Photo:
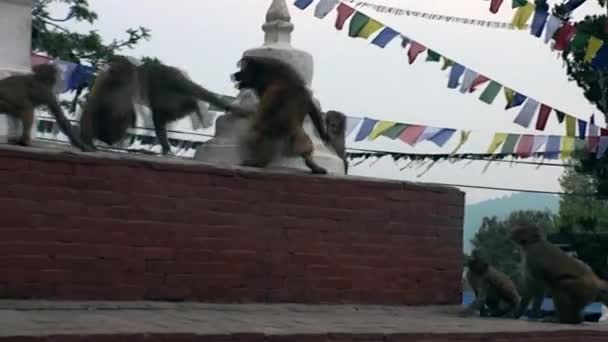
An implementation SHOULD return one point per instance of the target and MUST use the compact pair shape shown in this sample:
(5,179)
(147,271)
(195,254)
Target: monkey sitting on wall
(335,122)
(170,95)
(20,95)
(547,268)
(276,126)
(495,293)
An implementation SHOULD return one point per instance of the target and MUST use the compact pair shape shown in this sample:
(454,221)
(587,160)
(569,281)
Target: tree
(50,35)
(494,243)
(579,213)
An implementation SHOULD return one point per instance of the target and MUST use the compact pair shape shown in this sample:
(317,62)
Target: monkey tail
(317,119)
(65,125)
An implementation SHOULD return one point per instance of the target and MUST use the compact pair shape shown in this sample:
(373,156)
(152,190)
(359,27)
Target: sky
(207,38)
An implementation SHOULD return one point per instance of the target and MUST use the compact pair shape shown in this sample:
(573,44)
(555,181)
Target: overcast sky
(206,38)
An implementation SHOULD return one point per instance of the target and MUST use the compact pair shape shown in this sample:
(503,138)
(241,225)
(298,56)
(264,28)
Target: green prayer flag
(395,131)
(519,3)
(432,56)
(357,23)
(580,145)
(510,143)
(489,94)
(579,42)
(447,63)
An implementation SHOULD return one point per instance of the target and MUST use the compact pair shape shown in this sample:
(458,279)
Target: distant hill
(501,208)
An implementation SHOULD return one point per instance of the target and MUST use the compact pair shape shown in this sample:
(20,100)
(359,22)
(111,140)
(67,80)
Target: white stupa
(223,149)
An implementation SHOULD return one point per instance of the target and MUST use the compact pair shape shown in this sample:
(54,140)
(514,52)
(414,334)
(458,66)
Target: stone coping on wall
(255,322)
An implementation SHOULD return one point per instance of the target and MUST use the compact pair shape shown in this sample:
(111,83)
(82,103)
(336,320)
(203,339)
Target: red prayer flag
(524,149)
(604,132)
(415,49)
(411,134)
(543,117)
(481,79)
(495,6)
(564,36)
(344,12)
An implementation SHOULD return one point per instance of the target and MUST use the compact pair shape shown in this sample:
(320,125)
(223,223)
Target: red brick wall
(83,227)
(554,336)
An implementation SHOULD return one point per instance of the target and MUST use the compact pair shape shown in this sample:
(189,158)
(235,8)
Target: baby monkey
(495,293)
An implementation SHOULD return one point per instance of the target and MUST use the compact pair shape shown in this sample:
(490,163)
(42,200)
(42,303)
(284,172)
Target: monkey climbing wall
(84,227)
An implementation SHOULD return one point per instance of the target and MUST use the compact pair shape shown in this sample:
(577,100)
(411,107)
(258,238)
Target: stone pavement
(40,318)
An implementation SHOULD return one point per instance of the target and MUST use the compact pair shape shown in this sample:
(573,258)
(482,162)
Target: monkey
(276,126)
(20,95)
(572,283)
(492,288)
(336,128)
(168,92)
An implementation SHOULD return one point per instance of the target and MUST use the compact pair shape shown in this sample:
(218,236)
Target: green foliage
(50,35)
(494,243)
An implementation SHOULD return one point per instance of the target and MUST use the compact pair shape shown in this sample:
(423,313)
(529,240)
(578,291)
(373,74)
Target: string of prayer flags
(508,146)
(522,15)
(380,128)
(428,133)
(524,148)
(539,142)
(324,7)
(363,26)
(497,141)
(567,147)
(395,131)
(72,76)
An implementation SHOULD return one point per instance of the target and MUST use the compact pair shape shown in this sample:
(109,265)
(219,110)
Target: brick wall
(83,227)
(557,336)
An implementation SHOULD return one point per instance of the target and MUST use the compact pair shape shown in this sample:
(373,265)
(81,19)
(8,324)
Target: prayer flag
(467,81)
(404,41)
(553,24)
(580,41)
(432,56)
(357,23)
(524,148)
(592,119)
(428,133)
(508,96)
(564,36)
(344,12)
(553,147)
(582,128)
(593,46)
(603,146)
(447,63)
(39,59)
(370,28)
(601,58)
(302,4)
(571,5)
(567,147)
(495,6)
(380,128)
(539,141)
(560,116)
(509,146)
(522,15)
(570,126)
(499,139)
(516,101)
(489,94)
(481,79)
(541,14)
(411,134)
(385,37)
(324,7)
(366,128)
(395,131)
(592,143)
(464,137)
(527,113)
(351,123)
(455,74)
(441,138)
(543,117)
(518,3)
(415,49)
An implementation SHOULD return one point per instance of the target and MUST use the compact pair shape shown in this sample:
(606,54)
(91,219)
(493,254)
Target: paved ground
(34,318)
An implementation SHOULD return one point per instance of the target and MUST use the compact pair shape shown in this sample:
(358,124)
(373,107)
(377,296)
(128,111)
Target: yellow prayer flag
(380,128)
(370,28)
(464,137)
(567,147)
(499,139)
(570,125)
(522,15)
(509,93)
(593,46)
